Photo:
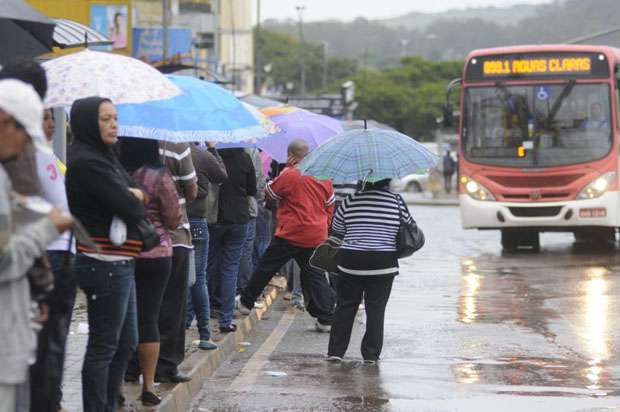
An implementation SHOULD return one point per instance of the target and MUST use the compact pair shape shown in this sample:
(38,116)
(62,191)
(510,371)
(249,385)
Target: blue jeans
(246,266)
(263,235)
(113,332)
(225,247)
(198,297)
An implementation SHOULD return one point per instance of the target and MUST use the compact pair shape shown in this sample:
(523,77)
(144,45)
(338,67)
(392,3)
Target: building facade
(236,42)
(215,36)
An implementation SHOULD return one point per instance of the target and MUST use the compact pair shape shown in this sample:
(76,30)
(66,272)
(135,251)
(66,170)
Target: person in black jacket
(227,237)
(99,189)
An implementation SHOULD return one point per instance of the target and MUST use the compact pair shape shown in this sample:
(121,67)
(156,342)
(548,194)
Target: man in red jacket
(305,208)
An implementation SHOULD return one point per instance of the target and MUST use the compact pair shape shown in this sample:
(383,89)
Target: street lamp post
(165,27)
(403,47)
(257,44)
(325,72)
(302,59)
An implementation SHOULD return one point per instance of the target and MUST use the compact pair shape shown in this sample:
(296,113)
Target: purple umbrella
(314,128)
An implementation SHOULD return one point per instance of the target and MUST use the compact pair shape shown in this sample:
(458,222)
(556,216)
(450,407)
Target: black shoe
(150,399)
(230,328)
(120,401)
(178,378)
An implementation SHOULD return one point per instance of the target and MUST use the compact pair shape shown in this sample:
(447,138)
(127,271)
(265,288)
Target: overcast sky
(373,9)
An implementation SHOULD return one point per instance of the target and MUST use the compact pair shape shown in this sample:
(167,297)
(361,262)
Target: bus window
(555,124)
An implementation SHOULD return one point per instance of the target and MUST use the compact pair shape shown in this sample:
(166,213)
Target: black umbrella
(24,32)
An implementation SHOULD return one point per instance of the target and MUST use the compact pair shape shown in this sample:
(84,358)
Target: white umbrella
(120,78)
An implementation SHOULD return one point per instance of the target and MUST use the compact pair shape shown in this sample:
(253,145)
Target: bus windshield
(533,126)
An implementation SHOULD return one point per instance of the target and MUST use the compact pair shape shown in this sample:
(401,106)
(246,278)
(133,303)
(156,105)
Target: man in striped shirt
(305,209)
(178,159)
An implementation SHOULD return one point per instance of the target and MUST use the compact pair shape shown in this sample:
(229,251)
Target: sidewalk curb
(426,199)
(432,202)
(205,363)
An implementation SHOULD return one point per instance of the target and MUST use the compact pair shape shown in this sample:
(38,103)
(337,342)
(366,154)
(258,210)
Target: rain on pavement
(467,328)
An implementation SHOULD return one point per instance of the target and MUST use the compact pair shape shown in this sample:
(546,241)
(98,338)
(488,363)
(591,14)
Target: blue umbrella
(204,112)
(368,154)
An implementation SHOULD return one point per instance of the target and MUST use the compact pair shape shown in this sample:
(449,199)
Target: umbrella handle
(366,179)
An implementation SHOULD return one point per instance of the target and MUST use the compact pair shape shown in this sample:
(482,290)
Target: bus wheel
(532,241)
(513,239)
(595,235)
(510,240)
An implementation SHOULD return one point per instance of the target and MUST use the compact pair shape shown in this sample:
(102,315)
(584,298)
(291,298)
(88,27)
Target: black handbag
(325,256)
(148,234)
(410,237)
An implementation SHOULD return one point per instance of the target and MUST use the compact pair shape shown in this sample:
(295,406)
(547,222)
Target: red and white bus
(538,142)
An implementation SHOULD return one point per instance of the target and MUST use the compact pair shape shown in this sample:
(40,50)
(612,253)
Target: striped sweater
(369,220)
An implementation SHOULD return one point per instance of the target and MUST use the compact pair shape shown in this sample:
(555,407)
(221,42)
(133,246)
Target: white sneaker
(244,310)
(334,359)
(370,362)
(322,327)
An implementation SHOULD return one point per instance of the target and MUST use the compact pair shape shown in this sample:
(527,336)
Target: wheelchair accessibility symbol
(543,93)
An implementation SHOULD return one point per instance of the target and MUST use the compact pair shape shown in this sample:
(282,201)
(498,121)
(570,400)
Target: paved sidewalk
(197,363)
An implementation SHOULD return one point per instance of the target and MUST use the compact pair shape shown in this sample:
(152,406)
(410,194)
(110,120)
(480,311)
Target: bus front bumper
(602,211)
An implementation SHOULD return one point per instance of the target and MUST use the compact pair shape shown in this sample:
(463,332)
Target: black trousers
(172,315)
(351,289)
(447,182)
(152,276)
(319,297)
(46,373)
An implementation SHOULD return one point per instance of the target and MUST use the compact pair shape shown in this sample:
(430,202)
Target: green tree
(409,97)
(280,53)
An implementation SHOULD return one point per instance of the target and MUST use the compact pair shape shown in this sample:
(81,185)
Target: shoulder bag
(410,237)
(325,256)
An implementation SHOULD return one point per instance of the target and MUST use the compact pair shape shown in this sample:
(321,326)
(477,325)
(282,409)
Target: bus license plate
(593,212)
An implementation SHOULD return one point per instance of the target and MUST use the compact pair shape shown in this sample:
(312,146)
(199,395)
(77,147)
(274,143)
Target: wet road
(467,328)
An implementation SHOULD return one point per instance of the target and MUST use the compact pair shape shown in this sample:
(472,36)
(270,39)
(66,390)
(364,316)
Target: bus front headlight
(475,190)
(597,187)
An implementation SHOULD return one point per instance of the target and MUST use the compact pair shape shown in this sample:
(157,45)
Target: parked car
(414,183)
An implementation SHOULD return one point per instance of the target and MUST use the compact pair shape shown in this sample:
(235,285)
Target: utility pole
(216,33)
(257,44)
(165,28)
(302,57)
(325,69)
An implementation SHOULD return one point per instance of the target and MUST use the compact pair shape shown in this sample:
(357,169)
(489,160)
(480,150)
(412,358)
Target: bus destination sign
(520,66)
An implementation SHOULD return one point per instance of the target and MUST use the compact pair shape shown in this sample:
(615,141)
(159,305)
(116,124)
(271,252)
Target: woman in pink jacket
(141,159)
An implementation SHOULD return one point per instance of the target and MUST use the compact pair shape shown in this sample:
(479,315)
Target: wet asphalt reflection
(467,328)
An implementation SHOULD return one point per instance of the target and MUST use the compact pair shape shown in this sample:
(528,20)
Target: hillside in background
(500,15)
(451,35)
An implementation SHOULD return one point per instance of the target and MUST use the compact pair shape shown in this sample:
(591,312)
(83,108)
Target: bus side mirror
(448,116)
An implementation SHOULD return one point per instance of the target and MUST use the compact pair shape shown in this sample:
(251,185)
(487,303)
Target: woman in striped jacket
(368,222)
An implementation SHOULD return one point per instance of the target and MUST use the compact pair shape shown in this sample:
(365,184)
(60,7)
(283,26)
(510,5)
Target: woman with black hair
(141,159)
(98,189)
(368,222)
